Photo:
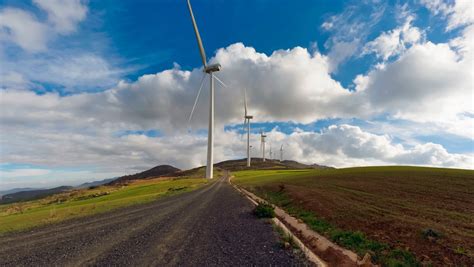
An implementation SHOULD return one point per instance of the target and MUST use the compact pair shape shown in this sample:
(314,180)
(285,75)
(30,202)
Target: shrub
(264,210)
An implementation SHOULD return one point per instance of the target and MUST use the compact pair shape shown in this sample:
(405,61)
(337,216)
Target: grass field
(76,203)
(400,215)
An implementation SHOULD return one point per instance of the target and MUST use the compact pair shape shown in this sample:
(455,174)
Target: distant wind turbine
(281,153)
(271,154)
(208,69)
(262,144)
(247,119)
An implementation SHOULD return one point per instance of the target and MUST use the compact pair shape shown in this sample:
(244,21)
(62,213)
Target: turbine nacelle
(212,68)
(248,117)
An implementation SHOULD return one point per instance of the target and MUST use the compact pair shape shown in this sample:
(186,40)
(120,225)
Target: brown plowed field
(427,211)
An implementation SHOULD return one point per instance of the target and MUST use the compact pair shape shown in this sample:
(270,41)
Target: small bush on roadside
(264,210)
(171,189)
(286,240)
(400,257)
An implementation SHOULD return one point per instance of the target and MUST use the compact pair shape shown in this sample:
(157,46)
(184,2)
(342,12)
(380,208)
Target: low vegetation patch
(264,210)
(286,240)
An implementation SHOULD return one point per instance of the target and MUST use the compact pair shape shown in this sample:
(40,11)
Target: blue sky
(113,81)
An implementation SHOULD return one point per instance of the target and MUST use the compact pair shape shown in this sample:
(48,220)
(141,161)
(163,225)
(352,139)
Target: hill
(158,171)
(95,183)
(33,194)
(259,164)
(14,190)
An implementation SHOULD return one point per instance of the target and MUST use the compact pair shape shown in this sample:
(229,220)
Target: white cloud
(394,42)
(428,83)
(458,13)
(338,145)
(13,80)
(23,29)
(164,100)
(340,52)
(64,14)
(23,173)
(347,145)
(349,31)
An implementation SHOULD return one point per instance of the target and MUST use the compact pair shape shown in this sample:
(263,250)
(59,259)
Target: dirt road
(209,226)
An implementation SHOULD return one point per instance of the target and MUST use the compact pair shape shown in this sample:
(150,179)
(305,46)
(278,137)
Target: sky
(98,89)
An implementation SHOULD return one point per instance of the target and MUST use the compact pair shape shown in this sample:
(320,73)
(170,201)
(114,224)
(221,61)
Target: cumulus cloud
(394,42)
(458,13)
(23,29)
(430,82)
(349,31)
(23,172)
(427,82)
(63,14)
(418,86)
(277,90)
(347,145)
(39,61)
(338,145)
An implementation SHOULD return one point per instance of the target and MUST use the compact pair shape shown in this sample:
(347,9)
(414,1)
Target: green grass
(264,210)
(21,216)
(411,198)
(286,240)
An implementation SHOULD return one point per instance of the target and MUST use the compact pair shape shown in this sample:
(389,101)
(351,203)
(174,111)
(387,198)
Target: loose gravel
(211,226)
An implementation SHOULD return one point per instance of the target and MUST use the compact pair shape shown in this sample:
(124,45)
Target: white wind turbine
(281,153)
(262,144)
(208,69)
(247,119)
(271,154)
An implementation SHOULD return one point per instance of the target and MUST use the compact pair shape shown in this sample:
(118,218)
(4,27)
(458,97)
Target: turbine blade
(244,130)
(245,101)
(197,98)
(219,80)
(198,37)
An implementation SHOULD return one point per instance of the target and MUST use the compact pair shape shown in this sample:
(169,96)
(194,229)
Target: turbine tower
(281,153)
(208,69)
(247,119)
(262,144)
(271,154)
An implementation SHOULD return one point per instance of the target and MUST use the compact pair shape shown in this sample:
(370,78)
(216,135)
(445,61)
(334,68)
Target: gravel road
(211,226)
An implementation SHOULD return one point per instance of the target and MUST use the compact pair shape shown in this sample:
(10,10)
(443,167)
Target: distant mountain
(33,194)
(14,190)
(95,183)
(158,171)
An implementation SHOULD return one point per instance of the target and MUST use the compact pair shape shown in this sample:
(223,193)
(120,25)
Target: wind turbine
(247,119)
(271,154)
(262,144)
(208,69)
(281,153)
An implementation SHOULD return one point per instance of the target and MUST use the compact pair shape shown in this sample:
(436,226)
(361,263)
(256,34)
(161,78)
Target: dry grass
(76,203)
